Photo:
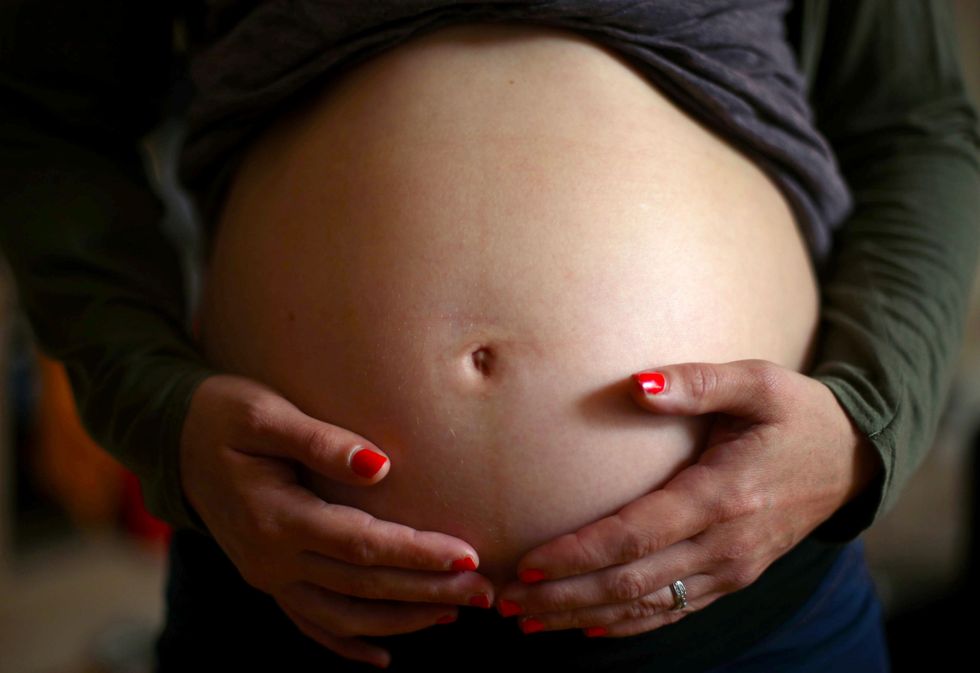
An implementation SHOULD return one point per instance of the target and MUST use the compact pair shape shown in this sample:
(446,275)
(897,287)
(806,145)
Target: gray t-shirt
(725,62)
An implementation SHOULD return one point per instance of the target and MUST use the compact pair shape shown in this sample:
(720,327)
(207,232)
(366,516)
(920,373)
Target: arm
(99,281)
(889,96)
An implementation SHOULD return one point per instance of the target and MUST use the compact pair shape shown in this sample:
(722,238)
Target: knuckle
(628,585)
(732,550)
(769,378)
(585,548)
(703,382)
(319,441)
(255,417)
(757,500)
(414,548)
(719,504)
(742,575)
(638,542)
(266,527)
(362,549)
(558,597)
(741,501)
(641,609)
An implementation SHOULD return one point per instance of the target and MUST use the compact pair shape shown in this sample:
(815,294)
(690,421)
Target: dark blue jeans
(216,621)
(839,630)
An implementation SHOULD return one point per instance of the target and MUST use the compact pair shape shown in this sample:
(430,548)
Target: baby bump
(461,248)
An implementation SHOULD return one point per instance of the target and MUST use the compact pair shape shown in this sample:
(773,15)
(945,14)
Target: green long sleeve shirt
(102,285)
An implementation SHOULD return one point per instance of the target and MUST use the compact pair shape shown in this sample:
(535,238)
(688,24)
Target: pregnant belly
(461,248)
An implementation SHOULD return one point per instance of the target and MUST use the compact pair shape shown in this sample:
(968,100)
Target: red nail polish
(465,563)
(480,601)
(531,625)
(366,463)
(651,383)
(509,608)
(446,619)
(531,575)
(594,631)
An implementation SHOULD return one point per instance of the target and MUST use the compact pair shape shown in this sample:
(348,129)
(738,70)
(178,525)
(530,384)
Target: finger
(272,425)
(749,389)
(381,583)
(649,605)
(632,627)
(643,527)
(349,648)
(615,585)
(347,617)
(354,536)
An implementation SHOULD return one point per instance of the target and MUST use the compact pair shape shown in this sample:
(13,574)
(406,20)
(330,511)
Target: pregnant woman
(462,248)
(459,249)
(430,277)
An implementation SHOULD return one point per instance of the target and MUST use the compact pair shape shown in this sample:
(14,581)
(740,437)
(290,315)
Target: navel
(483,359)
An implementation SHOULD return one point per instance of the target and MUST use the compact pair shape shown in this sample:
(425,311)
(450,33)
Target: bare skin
(781,458)
(241,446)
(458,254)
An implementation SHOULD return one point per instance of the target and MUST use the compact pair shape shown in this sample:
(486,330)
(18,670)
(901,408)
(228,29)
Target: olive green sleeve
(890,98)
(80,227)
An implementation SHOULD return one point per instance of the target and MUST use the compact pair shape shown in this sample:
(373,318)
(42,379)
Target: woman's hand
(781,457)
(239,447)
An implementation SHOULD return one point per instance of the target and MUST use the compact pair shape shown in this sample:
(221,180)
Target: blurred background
(82,565)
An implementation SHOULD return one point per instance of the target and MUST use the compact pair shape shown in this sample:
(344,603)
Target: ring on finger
(679,592)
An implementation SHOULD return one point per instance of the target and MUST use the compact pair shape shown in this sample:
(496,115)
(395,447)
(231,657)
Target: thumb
(745,388)
(274,426)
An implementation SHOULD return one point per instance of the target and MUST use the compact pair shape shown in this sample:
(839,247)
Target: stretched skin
(102,287)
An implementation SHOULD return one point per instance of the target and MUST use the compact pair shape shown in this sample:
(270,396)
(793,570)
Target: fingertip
(481,600)
(448,618)
(649,384)
(377,657)
(368,463)
(464,563)
(508,608)
(531,575)
(383,661)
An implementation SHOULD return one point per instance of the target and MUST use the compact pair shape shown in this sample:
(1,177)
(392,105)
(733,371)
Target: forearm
(894,308)
(890,97)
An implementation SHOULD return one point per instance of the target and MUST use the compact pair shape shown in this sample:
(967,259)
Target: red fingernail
(366,463)
(651,383)
(531,575)
(594,631)
(480,601)
(531,625)
(465,563)
(446,619)
(509,608)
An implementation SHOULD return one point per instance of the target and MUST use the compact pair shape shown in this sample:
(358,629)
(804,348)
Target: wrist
(186,461)
(864,463)
(860,470)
